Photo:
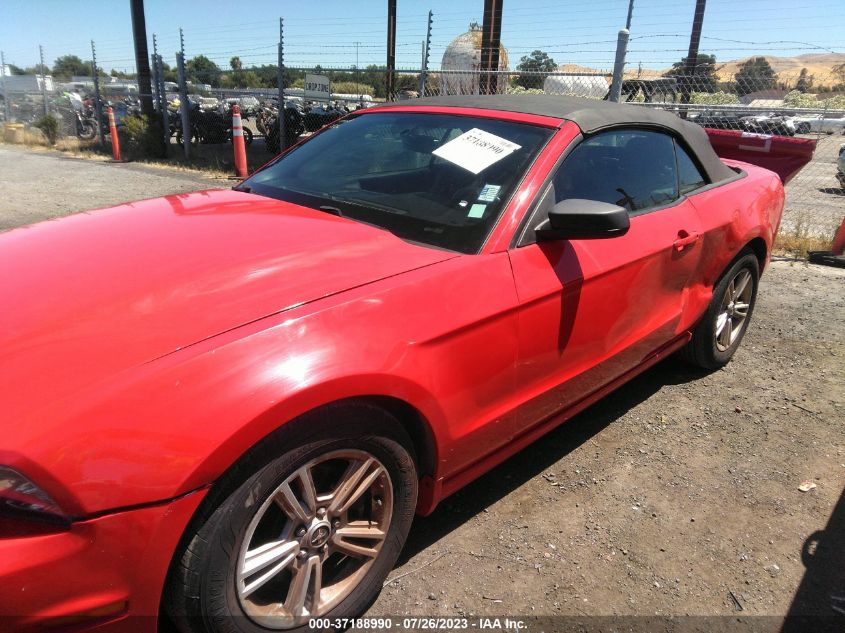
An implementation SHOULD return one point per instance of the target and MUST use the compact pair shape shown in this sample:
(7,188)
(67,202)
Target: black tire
(247,136)
(201,593)
(87,129)
(703,350)
(195,138)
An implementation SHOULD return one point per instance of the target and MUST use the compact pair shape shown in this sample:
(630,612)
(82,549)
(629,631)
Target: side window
(635,169)
(688,174)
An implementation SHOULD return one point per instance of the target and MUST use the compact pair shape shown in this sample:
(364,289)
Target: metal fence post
(281,82)
(619,64)
(183,105)
(7,112)
(43,80)
(426,49)
(183,98)
(165,115)
(98,104)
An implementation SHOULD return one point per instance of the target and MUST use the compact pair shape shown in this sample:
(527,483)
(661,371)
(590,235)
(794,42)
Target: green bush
(713,98)
(49,126)
(351,88)
(142,137)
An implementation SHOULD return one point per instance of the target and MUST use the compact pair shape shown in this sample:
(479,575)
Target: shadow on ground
(819,602)
(541,455)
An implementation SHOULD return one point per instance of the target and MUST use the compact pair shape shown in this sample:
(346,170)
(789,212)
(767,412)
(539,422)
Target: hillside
(787,69)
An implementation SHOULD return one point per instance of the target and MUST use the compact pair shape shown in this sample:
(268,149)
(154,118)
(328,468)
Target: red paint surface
(781,154)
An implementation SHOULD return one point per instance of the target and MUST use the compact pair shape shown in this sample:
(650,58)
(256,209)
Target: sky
(337,33)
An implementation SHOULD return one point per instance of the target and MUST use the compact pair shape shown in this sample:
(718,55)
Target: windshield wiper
(330,209)
(242,188)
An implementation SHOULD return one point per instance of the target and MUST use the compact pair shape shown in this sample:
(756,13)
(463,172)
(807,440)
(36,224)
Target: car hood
(97,293)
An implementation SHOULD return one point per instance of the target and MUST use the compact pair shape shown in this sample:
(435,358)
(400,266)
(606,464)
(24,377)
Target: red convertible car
(224,408)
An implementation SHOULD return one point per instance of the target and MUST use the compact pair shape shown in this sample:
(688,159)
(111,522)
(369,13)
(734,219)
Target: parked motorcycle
(207,126)
(318,116)
(268,122)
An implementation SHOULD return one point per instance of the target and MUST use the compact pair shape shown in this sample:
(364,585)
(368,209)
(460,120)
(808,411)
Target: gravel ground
(39,185)
(677,495)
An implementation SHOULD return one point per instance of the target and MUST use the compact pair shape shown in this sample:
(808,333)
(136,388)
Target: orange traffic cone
(838,247)
(115,141)
(238,142)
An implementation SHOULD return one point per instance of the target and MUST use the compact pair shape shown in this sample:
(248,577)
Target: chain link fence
(752,105)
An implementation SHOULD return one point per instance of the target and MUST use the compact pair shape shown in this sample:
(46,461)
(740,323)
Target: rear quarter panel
(732,215)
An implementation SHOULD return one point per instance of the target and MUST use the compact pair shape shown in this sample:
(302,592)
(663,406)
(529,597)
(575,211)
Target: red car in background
(227,406)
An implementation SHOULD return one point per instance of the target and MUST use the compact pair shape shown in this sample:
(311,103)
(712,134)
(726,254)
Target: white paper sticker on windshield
(476,150)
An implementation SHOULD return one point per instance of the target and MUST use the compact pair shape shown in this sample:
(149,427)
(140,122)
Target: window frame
(694,160)
(524,234)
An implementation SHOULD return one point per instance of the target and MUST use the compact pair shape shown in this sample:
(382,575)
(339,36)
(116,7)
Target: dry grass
(800,239)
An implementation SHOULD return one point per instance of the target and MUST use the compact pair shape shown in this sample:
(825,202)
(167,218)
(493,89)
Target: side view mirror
(577,219)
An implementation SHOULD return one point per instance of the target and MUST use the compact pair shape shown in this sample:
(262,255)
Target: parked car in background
(824,124)
(225,407)
(718,119)
(769,124)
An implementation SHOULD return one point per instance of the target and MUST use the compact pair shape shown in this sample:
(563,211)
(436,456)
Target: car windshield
(436,179)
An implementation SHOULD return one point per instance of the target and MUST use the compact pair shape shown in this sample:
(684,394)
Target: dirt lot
(43,184)
(677,495)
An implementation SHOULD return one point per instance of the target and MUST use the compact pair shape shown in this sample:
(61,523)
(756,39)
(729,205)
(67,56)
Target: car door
(592,310)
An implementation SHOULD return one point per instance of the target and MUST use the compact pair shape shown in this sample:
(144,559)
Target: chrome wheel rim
(314,539)
(733,312)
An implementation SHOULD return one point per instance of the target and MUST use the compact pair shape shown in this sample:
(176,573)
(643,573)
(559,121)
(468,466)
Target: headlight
(20,496)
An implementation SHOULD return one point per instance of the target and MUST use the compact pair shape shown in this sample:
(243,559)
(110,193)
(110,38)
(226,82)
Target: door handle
(685,239)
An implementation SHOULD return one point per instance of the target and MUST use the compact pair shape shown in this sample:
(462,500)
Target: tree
(839,71)
(38,69)
(536,62)
(235,63)
(805,81)
(202,70)
(754,74)
(15,70)
(702,75)
(67,66)
(169,73)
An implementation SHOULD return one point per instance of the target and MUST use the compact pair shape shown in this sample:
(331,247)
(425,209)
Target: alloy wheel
(314,538)
(733,312)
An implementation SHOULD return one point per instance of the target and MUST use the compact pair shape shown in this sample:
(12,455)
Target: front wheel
(719,333)
(313,533)
(87,129)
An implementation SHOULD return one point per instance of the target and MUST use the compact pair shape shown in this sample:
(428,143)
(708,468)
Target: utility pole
(691,65)
(630,14)
(43,81)
(98,104)
(142,62)
(426,49)
(391,50)
(491,36)
(6,104)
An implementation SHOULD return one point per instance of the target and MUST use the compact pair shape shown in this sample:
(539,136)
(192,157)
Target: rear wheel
(717,337)
(313,533)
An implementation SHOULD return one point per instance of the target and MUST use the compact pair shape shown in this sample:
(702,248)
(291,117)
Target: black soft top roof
(592,116)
